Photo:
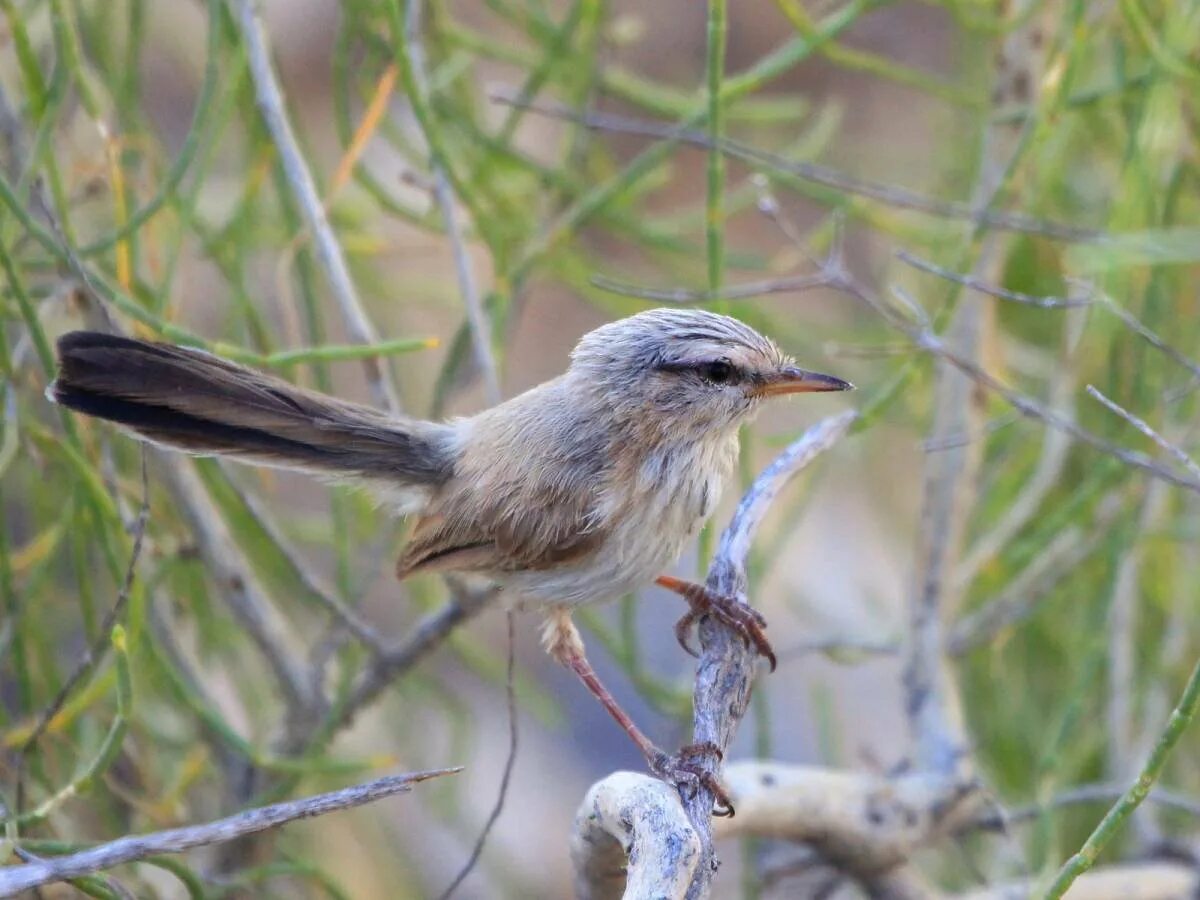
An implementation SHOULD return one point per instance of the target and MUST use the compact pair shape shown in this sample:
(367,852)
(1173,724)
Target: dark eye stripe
(718,371)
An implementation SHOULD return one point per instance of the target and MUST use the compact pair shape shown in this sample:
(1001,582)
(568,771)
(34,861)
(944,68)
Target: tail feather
(194,401)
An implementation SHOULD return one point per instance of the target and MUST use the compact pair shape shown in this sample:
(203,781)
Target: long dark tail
(193,401)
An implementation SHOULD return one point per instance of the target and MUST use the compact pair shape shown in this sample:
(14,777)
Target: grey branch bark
(633,839)
(15,879)
(724,676)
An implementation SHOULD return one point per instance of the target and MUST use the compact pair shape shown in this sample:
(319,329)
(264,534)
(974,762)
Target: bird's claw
(687,775)
(743,619)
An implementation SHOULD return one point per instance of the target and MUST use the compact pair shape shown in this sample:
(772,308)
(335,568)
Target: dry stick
(1144,427)
(978,284)
(481,341)
(1046,473)
(271,105)
(97,648)
(426,637)
(15,879)
(1104,792)
(784,285)
(1019,598)
(726,667)
(239,587)
(817,174)
(322,593)
(509,763)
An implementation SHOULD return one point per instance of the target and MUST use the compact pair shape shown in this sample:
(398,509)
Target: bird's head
(688,370)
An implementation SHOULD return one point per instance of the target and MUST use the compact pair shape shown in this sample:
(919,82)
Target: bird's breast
(649,512)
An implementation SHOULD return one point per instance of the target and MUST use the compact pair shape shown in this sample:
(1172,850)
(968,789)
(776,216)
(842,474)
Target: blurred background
(1048,148)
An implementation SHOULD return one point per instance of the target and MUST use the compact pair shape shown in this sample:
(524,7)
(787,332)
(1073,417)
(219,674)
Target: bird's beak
(791,380)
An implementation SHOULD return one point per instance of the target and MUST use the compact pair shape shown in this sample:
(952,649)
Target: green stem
(1115,818)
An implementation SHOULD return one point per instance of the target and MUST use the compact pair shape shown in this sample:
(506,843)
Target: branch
(15,879)
(271,105)
(725,671)
(631,838)
(429,634)
(443,191)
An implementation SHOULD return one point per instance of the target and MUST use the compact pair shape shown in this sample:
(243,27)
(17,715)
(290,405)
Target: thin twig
(791,284)
(239,588)
(427,636)
(481,333)
(96,650)
(817,174)
(338,610)
(511,696)
(1144,427)
(983,287)
(1021,597)
(271,104)
(132,848)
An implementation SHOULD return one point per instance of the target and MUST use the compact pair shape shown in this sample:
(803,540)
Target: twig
(983,287)
(429,634)
(1046,473)
(817,174)
(338,610)
(1020,598)
(725,671)
(271,104)
(792,284)
(481,339)
(1144,427)
(509,763)
(239,587)
(97,648)
(931,700)
(1104,792)
(15,879)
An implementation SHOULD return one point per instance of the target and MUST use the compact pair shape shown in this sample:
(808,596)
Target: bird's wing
(554,531)
(531,501)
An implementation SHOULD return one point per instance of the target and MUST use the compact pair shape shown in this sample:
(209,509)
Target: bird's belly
(649,539)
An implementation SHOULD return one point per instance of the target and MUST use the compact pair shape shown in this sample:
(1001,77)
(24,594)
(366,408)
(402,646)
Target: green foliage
(196,236)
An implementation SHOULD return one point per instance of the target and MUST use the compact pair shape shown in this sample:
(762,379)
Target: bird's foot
(684,772)
(743,619)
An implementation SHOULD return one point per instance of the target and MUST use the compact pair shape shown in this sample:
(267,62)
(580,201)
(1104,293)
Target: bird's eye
(719,371)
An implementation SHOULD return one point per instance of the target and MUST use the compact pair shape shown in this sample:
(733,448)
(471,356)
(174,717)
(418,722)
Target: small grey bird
(581,489)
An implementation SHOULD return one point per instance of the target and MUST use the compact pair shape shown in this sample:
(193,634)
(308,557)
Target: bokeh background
(142,187)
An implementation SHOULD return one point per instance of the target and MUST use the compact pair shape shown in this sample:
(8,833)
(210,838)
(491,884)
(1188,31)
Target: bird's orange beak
(791,380)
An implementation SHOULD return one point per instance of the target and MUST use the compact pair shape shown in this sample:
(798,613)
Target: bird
(581,489)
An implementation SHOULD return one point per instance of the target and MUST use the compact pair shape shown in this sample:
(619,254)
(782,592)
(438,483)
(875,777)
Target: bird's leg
(562,641)
(743,619)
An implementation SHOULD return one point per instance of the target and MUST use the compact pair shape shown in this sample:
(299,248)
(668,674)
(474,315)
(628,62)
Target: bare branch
(1144,427)
(509,763)
(14,879)
(481,340)
(791,284)
(632,839)
(271,105)
(726,667)
(1020,598)
(238,585)
(427,636)
(813,172)
(983,287)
